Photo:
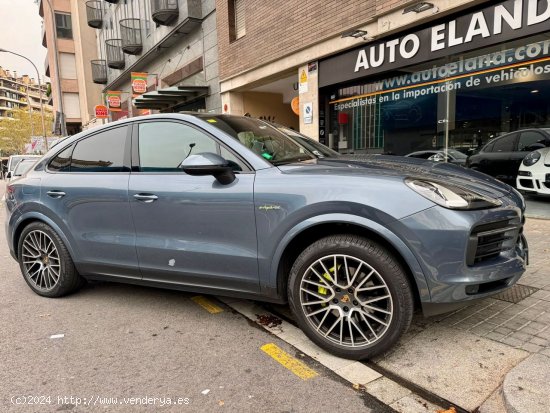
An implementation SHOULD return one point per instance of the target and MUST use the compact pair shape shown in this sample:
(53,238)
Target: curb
(359,375)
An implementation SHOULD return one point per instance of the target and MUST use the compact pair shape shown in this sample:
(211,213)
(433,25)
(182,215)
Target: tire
(350,314)
(45,262)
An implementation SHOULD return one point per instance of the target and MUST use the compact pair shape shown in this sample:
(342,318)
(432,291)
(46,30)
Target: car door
(87,188)
(498,161)
(191,230)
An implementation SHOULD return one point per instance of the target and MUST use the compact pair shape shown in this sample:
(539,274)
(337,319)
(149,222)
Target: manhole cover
(515,294)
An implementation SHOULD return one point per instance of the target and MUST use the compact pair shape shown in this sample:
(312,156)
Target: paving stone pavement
(524,325)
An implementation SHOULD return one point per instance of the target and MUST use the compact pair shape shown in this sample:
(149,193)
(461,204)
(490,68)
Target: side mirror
(209,164)
(8,176)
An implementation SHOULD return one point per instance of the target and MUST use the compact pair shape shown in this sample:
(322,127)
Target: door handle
(55,194)
(147,198)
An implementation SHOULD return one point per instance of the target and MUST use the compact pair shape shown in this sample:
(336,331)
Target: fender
(366,223)
(35,215)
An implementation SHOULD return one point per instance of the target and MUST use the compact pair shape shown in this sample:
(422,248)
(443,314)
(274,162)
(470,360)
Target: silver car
(236,206)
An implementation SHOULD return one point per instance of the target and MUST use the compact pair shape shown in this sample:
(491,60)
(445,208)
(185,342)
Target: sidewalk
(492,357)
(466,356)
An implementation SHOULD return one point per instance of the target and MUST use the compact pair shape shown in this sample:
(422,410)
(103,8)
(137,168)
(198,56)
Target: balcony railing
(94,13)
(164,12)
(115,56)
(130,34)
(99,72)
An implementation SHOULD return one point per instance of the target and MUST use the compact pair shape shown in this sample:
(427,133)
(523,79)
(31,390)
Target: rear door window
(107,151)
(62,162)
(504,144)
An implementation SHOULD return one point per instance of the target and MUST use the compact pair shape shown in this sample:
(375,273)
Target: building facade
(70,43)
(21,92)
(173,43)
(389,76)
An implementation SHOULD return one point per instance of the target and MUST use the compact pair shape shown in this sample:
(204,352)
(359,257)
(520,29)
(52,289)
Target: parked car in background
(234,206)
(534,173)
(14,160)
(453,156)
(502,156)
(3,166)
(21,168)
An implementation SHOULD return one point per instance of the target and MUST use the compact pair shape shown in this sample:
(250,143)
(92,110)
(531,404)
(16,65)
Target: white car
(534,173)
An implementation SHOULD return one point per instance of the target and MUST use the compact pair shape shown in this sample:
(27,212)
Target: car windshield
(262,138)
(23,166)
(15,161)
(317,148)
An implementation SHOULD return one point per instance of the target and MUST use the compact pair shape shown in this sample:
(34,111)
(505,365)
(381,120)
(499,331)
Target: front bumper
(537,183)
(441,240)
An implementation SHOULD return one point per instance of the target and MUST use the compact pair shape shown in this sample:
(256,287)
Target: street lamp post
(57,72)
(39,91)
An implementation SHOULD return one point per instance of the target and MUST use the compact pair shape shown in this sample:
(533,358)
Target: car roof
(195,118)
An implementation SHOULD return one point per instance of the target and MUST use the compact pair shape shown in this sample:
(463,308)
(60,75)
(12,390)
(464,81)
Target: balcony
(94,13)
(130,34)
(99,72)
(164,12)
(115,56)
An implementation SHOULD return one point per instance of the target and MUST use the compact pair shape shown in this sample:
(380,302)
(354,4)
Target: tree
(16,131)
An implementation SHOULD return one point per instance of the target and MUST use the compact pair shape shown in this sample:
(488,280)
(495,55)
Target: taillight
(11,190)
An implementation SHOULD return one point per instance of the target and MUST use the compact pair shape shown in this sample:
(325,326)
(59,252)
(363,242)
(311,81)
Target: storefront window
(460,102)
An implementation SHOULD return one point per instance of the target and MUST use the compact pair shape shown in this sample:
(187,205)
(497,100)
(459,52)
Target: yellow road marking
(206,304)
(294,365)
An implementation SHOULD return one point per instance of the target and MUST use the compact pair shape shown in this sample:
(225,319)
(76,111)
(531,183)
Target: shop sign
(295,105)
(308,113)
(139,82)
(302,85)
(101,112)
(114,100)
(498,23)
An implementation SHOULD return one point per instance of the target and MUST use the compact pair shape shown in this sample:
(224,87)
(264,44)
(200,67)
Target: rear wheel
(45,262)
(350,296)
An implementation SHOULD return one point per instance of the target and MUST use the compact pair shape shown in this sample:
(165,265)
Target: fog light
(524,173)
(472,289)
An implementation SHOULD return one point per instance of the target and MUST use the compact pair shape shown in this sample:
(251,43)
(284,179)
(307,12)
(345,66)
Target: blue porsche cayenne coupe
(236,206)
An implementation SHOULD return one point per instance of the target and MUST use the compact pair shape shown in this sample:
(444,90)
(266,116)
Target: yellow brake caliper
(323,290)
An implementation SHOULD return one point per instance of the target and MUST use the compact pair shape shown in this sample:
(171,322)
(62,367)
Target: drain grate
(515,294)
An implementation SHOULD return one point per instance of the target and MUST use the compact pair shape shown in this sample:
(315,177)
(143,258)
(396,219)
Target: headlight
(531,158)
(451,196)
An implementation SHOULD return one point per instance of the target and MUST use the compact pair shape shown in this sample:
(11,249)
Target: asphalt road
(121,342)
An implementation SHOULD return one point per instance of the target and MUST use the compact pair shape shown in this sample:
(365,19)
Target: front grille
(488,241)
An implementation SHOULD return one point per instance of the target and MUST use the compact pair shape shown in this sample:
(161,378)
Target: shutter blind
(240,30)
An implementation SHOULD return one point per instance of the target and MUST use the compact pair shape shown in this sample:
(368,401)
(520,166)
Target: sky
(21,33)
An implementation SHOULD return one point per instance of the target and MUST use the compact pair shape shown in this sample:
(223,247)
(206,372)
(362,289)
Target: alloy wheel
(41,260)
(346,300)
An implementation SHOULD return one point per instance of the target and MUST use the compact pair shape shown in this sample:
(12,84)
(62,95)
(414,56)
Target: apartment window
(63,26)
(236,19)
(71,102)
(68,65)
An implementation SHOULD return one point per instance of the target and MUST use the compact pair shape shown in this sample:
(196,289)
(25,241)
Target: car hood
(403,167)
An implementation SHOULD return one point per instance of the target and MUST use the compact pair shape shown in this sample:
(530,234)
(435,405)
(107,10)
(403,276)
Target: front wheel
(350,296)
